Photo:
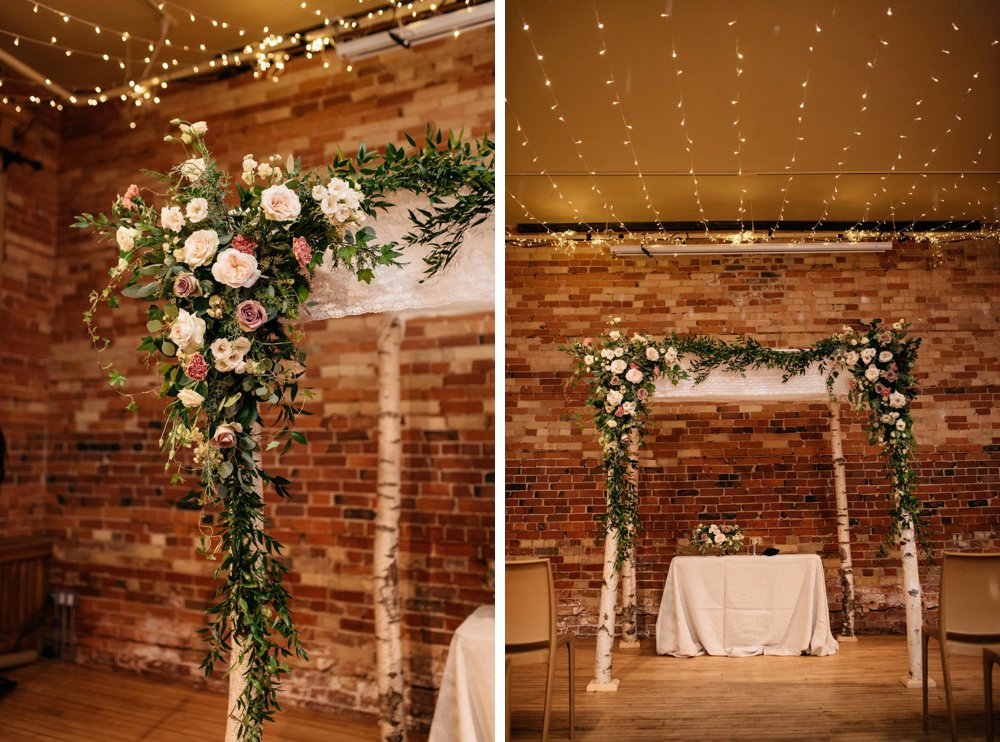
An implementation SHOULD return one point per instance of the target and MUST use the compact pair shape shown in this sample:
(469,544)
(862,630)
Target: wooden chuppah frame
(757,385)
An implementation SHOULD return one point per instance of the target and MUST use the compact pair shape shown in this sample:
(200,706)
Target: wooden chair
(990,658)
(531,627)
(969,616)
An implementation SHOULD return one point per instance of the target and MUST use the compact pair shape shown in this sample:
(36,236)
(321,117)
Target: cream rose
(188,331)
(901,425)
(196,210)
(171,218)
(126,238)
(897,400)
(614,334)
(871,373)
(614,398)
(229,355)
(190,398)
(236,269)
(671,355)
(193,169)
(618,365)
(200,247)
(885,356)
(199,128)
(280,203)
(867,354)
(634,375)
(652,354)
(851,358)
(589,360)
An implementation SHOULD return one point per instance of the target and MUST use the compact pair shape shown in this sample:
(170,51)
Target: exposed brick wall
(764,466)
(120,539)
(27,268)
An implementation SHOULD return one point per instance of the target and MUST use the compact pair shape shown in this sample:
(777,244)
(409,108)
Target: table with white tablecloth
(464,710)
(743,605)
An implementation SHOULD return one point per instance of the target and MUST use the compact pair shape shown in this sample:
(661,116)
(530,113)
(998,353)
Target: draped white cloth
(466,285)
(756,385)
(464,711)
(742,605)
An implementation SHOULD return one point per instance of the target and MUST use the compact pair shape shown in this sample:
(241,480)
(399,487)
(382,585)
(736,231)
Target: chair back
(531,603)
(970,593)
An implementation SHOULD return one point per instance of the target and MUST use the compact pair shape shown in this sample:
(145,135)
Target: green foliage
(879,358)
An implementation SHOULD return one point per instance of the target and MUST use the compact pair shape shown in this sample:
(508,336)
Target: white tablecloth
(741,605)
(464,711)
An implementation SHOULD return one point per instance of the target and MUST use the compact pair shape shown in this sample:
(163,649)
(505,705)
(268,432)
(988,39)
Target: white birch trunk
(914,613)
(606,627)
(388,614)
(630,607)
(238,669)
(843,526)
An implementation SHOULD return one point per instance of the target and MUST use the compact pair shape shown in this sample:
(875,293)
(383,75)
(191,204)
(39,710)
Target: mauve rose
(244,244)
(619,412)
(250,315)
(642,394)
(186,285)
(197,367)
(225,437)
(615,380)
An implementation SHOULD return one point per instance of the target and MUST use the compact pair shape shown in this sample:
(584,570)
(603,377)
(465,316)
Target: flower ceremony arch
(229,285)
(625,373)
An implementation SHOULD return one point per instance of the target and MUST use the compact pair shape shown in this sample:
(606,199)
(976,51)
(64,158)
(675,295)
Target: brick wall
(764,466)
(120,539)
(27,263)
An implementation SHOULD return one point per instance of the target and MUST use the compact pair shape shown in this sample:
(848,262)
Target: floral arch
(625,373)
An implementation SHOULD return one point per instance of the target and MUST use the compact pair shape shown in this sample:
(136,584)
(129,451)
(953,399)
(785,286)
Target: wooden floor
(71,703)
(854,695)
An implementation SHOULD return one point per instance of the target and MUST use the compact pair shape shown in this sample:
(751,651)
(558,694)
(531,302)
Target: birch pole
(238,663)
(630,608)
(843,527)
(388,614)
(606,627)
(914,613)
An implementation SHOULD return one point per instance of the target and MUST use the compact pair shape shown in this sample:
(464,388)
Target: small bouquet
(725,538)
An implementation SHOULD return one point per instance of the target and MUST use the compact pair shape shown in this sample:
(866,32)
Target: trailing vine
(879,358)
(226,282)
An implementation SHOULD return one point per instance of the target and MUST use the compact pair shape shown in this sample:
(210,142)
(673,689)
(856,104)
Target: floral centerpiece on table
(621,371)
(225,280)
(726,538)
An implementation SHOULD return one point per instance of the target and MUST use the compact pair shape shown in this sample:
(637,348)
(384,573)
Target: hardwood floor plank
(853,695)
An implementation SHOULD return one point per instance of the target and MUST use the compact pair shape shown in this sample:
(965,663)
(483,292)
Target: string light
(737,122)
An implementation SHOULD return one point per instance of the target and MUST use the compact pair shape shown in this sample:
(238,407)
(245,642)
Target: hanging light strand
(97,27)
(626,127)
(738,111)
(53,42)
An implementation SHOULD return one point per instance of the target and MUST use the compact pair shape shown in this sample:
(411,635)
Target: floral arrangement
(879,358)
(622,372)
(725,538)
(225,280)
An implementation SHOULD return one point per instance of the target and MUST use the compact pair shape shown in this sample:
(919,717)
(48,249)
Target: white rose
(886,418)
(634,375)
(901,425)
(614,398)
(200,247)
(614,334)
(607,354)
(618,365)
(338,188)
(200,128)
(652,354)
(188,331)
(628,408)
(319,192)
(264,170)
(342,214)
(229,354)
(671,355)
(871,373)
(329,205)
(897,400)
(851,358)
(885,356)
(720,538)
(235,269)
(190,398)
(612,424)
(196,210)
(171,218)
(589,360)
(193,169)
(126,238)
(280,203)
(867,354)
(619,352)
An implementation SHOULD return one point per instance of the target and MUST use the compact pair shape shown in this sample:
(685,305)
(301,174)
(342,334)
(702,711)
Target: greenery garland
(879,357)
(226,282)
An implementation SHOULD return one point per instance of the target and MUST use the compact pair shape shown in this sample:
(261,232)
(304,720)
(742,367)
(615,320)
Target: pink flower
(244,244)
(615,381)
(186,285)
(587,342)
(250,315)
(642,394)
(197,367)
(620,411)
(131,192)
(890,375)
(225,437)
(302,251)
(852,383)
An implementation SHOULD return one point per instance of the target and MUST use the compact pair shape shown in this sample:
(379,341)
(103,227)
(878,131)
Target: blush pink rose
(131,192)
(615,381)
(620,411)
(246,245)
(197,367)
(250,315)
(642,394)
